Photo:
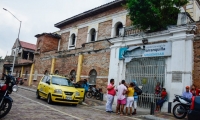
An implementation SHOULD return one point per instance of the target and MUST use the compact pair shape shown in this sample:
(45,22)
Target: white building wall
(181,59)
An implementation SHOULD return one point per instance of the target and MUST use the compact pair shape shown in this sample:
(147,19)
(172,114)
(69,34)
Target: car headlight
(58,91)
(77,94)
(15,88)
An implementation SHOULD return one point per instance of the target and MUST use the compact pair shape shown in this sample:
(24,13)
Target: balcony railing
(132,30)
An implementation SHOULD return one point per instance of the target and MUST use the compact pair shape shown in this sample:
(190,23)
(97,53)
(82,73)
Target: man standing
(85,85)
(121,98)
(187,94)
(110,96)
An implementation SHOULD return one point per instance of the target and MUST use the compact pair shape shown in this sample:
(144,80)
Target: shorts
(130,101)
(121,102)
(160,102)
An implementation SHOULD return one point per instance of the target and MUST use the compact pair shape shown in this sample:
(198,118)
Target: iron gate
(147,72)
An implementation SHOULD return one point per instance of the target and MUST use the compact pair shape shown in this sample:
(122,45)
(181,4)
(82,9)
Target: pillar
(79,68)
(52,65)
(22,71)
(31,75)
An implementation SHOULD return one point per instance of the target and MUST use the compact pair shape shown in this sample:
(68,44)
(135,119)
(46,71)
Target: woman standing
(130,98)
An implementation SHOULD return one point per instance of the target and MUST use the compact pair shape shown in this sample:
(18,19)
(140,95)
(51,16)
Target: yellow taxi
(57,88)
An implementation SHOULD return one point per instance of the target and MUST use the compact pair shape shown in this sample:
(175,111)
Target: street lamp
(16,41)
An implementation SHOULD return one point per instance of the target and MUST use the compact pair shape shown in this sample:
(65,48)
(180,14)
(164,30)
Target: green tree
(156,14)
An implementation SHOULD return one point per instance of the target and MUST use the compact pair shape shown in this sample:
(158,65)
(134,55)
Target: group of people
(126,95)
(191,92)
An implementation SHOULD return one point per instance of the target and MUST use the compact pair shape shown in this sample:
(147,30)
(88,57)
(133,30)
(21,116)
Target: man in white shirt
(121,98)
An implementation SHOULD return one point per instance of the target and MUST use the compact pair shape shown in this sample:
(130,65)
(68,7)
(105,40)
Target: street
(27,106)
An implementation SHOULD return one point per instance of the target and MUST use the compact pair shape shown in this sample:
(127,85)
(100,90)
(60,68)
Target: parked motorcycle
(92,91)
(19,81)
(180,109)
(5,99)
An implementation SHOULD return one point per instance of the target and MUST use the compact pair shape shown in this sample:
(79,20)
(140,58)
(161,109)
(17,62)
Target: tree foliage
(156,14)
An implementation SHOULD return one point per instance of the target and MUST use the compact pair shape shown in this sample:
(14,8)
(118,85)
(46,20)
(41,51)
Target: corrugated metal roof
(88,13)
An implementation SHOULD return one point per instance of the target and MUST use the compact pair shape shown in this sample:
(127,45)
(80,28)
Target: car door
(47,85)
(41,87)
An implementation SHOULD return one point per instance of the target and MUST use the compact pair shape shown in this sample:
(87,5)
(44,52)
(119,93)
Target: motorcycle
(180,109)
(19,81)
(94,92)
(5,99)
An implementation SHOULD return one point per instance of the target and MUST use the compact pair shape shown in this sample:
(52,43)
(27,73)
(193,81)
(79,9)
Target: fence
(145,99)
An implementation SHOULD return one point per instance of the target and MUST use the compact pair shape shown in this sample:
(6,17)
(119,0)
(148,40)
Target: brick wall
(104,30)
(64,41)
(196,67)
(82,37)
(128,21)
(96,16)
(49,44)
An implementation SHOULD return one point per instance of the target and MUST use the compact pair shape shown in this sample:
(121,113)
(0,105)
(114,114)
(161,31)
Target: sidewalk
(141,112)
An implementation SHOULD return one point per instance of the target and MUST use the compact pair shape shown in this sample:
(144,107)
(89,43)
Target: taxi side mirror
(48,82)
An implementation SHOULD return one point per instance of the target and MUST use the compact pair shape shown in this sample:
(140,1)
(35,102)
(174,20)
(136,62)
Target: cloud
(37,16)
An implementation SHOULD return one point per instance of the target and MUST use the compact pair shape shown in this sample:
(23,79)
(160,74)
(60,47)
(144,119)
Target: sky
(37,16)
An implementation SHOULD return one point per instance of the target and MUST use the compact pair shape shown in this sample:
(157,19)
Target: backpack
(138,90)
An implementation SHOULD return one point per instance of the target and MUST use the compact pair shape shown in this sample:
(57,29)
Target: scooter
(180,110)
(5,99)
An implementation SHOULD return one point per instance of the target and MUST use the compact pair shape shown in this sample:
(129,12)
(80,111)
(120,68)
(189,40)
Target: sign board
(176,76)
(161,49)
(121,52)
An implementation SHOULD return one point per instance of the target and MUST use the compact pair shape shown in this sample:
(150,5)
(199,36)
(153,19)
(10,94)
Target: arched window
(56,72)
(73,75)
(92,35)
(92,76)
(72,40)
(118,26)
(46,72)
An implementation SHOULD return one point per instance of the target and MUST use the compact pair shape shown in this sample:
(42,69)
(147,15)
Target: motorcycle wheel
(98,96)
(89,94)
(179,111)
(5,108)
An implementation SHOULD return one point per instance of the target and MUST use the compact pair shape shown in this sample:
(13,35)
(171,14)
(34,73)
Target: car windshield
(61,81)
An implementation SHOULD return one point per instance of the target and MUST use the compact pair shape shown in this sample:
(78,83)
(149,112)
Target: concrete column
(31,75)
(79,68)
(52,66)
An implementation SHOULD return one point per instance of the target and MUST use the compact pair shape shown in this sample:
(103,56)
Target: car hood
(65,88)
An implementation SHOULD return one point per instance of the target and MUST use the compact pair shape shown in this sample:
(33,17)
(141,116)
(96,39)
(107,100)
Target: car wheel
(37,94)
(49,100)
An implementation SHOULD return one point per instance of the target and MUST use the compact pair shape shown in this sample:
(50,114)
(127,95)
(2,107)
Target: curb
(152,117)
(25,88)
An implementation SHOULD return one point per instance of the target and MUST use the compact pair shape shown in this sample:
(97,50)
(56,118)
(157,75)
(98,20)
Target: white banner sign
(161,49)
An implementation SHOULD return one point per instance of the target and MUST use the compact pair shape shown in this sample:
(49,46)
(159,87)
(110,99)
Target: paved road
(27,107)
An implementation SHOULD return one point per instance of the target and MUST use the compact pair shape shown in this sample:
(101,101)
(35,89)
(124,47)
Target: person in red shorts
(121,98)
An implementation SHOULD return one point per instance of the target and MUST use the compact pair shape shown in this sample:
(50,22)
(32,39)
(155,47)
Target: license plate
(69,98)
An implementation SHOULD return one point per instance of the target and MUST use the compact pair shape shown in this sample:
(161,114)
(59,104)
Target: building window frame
(72,41)
(118,26)
(92,77)
(92,35)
